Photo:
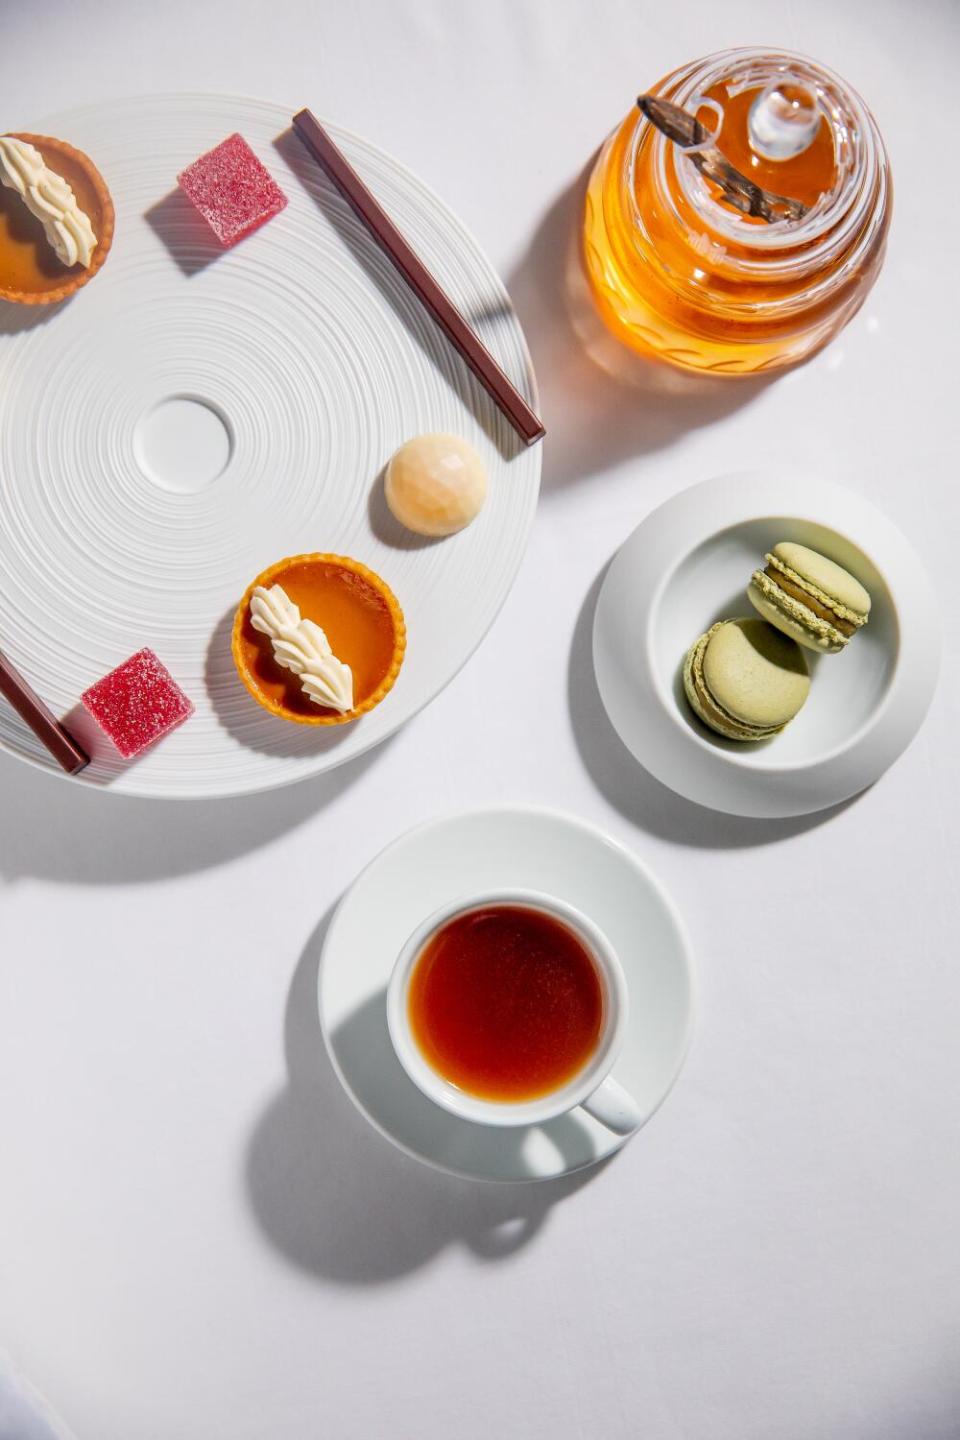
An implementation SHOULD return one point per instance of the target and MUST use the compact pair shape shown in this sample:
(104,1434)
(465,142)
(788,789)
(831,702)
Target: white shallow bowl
(492,850)
(195,414)
(686,566)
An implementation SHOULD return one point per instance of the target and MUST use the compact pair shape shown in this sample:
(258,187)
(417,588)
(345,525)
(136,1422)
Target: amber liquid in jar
(679,275)
(506,1003)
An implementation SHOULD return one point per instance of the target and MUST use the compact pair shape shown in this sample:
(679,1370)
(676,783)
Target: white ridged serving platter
(308,345)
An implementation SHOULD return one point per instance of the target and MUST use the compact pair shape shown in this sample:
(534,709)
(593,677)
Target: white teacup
(592,1086)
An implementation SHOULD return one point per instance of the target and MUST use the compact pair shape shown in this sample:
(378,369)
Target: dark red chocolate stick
(501,390)
(42,721)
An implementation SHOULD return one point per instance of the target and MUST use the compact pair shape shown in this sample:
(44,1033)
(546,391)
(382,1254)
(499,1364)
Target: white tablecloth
(199,1238)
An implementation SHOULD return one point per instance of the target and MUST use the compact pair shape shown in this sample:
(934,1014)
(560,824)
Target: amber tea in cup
(506,1003)
(509,1008)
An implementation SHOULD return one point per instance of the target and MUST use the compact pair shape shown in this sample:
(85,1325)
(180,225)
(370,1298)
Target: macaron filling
(779,588)
(819,608)
(799,613)
(827,607)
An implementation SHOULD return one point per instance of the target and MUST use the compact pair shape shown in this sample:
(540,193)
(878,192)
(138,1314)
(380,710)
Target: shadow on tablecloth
(339,1200)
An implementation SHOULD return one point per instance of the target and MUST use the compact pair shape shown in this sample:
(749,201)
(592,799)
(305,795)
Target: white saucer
(486,850)
(688,565)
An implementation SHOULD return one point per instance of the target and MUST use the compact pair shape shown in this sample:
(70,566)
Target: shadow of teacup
(340,1201)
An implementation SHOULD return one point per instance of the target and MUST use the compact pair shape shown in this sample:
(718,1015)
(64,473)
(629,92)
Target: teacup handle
(614,1107)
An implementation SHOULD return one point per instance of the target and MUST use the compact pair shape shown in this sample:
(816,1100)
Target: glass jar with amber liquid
(680,274)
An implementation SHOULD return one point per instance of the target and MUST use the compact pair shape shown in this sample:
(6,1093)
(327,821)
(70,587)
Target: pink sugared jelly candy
(137,703)
(232,190)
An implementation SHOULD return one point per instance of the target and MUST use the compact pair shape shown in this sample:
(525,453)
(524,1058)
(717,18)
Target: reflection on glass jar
(679,274)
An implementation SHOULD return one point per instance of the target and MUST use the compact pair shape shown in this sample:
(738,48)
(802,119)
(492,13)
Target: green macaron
(745,680)
(810,598)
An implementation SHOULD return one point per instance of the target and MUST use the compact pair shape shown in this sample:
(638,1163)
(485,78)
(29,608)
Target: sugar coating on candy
(137,704)
(232,190)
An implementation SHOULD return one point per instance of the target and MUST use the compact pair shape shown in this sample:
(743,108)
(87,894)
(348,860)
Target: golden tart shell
(30,273)
(361,618)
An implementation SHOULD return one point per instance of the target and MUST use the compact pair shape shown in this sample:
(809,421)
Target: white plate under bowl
(487,850)
(686,566)
(131,515)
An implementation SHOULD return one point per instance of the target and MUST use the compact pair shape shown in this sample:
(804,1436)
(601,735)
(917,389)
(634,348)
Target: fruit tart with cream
(56,219)
(318,639)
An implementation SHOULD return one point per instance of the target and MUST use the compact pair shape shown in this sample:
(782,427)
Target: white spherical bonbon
(436,484)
